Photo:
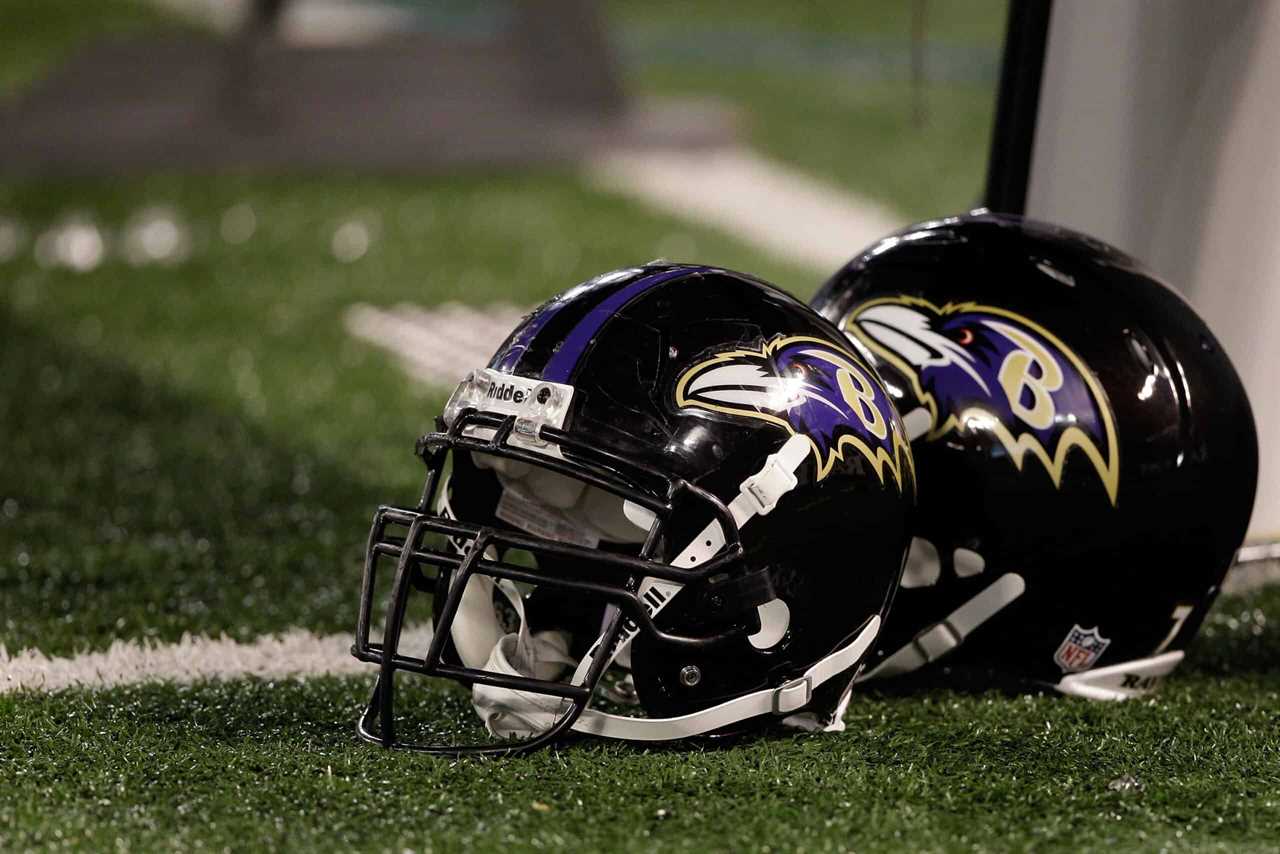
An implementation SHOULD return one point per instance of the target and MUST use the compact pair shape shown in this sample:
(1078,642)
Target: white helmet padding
(540,502)
(547,503)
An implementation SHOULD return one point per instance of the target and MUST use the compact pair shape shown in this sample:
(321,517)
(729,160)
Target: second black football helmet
(1086,452)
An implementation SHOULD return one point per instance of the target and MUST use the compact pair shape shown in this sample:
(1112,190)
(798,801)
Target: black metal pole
(1017,105)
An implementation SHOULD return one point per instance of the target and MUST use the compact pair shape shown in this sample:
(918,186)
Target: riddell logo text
(504,391)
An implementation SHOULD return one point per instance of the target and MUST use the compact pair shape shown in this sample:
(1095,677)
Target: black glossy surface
(834,571)
(1185,445)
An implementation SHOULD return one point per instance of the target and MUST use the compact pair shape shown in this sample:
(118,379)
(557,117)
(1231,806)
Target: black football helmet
(1087,454)
(648,506)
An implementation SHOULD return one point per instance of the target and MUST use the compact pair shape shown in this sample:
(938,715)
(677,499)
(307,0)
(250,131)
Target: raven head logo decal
(810,387)
(982,367)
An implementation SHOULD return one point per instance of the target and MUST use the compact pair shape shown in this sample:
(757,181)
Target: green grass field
(198,448)
(38,34)
(828,87)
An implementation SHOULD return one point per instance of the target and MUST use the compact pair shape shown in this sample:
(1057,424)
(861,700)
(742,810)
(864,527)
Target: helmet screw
(544,394)
(690,675)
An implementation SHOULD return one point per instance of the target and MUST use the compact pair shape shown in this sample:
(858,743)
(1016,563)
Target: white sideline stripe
(296,652)
(774,207)
(1252,575)
(314,23)
(734,189)
(439,345)
(224,16)
(293,653)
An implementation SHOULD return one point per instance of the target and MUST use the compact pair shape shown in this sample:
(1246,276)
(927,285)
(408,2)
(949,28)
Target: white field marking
(1251,575)
(311,23)
(439,345)
(333,23)
(781,210)
(224,16)
(295,652)
(291,654)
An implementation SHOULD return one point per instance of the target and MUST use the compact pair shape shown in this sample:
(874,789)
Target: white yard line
(438,345)
(777,208)
(1254,575)
(296,652)
(224,16)
(742,193)
(312,23)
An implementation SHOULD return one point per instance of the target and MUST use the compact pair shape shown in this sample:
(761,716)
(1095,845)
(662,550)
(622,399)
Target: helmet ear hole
(477,629)
(923,567)
(775,618)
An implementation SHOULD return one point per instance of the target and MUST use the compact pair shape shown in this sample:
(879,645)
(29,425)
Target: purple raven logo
(810,387)
(979,367)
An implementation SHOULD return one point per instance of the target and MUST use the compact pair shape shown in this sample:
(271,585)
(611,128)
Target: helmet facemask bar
(625,614)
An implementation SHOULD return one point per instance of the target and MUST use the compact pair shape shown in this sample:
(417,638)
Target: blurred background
(246,248)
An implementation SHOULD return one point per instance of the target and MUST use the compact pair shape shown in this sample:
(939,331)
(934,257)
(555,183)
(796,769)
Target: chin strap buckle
(777,477)
(793,696)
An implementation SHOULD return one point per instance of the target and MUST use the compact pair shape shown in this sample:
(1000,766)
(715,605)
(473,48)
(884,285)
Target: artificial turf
(843,91)
(857,22)
(38,34)
(276,765)
(861,134)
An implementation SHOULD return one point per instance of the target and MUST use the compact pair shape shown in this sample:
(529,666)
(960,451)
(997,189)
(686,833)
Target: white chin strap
(940,638)
(1123,681)
(509,713)
(520,714)
(782,701)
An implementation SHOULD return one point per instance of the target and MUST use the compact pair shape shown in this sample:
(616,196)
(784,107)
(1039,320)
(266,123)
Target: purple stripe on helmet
(507,359)
(561,365)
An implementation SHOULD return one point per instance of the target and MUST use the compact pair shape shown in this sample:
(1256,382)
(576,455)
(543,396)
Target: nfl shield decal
(1080,649)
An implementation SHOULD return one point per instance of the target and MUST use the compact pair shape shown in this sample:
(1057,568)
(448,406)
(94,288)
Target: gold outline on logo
(878,458)
(1107,465)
